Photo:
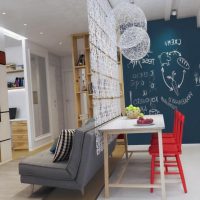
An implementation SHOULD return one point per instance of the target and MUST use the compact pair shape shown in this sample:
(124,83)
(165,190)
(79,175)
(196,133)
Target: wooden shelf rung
(80,67)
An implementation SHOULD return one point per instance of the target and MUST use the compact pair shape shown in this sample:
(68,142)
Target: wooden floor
(9,173)
(19,154)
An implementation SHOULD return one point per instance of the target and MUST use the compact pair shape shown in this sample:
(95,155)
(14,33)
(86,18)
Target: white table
(129,126)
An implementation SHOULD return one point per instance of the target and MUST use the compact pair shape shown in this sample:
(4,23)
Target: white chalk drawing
(173,83)
(173,42)
(149,61)
(144,61)
(154,111)
(165,101)
(131,97)
(165,60)
(182,101)
(183,63)
(135,63)
(175,53)
(141,79)
(144,74)
(197,79)
(144,93)
(137,83)
(163,71)
(144,109)
(148,100)
(152,85)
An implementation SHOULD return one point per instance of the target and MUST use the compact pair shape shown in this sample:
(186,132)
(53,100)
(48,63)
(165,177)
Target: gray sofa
(73,174)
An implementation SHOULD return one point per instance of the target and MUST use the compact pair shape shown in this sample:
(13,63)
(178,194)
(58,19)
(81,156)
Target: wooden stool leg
(181,173)
(152,171)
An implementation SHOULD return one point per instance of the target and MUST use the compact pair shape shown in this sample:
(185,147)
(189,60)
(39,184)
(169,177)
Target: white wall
(17,98)
(56,93)
(68,92)
(34,142)
(14,55)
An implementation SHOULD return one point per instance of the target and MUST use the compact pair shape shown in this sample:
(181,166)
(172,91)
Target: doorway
(40,96)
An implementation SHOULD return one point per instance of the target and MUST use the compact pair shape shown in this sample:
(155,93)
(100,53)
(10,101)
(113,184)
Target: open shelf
(80,67)
(15,71)
(16,88)
(81,92)
(82,76)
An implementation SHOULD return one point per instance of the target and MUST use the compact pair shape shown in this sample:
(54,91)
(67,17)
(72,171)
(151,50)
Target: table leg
(126,145)
(106,165)
(162,175)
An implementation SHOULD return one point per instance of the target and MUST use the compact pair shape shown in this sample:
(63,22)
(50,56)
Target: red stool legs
(178,160)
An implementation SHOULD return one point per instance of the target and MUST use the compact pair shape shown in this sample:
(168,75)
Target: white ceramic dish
(144,124)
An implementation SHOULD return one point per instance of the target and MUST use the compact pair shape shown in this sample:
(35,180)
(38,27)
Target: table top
(125,125)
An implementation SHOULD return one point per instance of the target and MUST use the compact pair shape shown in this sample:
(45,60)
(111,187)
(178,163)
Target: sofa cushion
(64,145)
(41,166)
(53,147)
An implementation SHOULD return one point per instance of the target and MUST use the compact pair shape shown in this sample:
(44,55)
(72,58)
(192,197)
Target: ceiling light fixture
(41,33)
(3,13)
(174,12)
(131,27)
(11,34)
(25,24)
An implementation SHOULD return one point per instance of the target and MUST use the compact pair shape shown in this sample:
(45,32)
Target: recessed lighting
(60,43)
(11,34)
(41,33)
(3,13)
(25,24)
(174,12)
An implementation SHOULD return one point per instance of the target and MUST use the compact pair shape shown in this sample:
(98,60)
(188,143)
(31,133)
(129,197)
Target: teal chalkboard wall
(168,77)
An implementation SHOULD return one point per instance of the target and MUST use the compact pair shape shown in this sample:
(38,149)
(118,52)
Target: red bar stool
(170,150)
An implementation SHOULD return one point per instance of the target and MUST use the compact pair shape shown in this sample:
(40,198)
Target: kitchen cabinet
(19,134)
(5,133)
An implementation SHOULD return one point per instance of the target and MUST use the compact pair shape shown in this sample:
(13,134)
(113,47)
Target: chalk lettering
(143,75)
(182,101)
(143,109)
(173,42)
(149,100)
(148,61)
(168,103)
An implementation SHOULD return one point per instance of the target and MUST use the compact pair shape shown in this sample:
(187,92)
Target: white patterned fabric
(64,145)
(104,65)
(99,140)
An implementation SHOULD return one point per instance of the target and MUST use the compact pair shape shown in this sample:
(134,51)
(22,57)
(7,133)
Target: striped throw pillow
(64,145)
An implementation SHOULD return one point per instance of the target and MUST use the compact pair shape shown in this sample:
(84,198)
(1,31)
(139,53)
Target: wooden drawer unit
(19,135)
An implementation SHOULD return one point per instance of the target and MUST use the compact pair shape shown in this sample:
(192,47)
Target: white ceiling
(58,19)
(161,9)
